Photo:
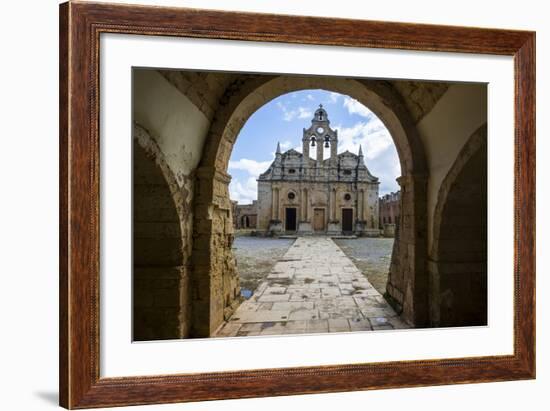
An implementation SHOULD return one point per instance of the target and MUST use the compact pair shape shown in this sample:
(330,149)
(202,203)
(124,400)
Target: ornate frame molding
(80,27)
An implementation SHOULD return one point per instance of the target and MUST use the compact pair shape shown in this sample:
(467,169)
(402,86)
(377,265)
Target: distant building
(304,195)
(390,206)
(245,215)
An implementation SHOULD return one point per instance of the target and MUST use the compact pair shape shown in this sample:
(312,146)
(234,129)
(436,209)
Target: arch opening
(388,107)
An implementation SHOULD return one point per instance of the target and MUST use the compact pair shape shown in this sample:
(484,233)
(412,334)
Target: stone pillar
(306,203)
(304,227)
(215,285)
(276,204)
(360,204)
(334,228)
(303,207)
(330,205)
(408,285)
(275,225)
(273,202)
(333,205)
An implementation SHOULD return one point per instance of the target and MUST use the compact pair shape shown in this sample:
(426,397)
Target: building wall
(390,207)
(309,196)
(240,211)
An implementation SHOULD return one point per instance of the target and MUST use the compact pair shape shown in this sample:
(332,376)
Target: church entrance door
(347,220)
(319,219)
(290,223)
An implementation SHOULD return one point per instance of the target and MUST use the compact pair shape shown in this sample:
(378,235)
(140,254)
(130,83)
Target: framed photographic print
(257,205)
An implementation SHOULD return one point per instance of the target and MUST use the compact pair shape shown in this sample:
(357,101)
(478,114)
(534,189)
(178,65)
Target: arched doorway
(159,277)
(458,259)
(215,274)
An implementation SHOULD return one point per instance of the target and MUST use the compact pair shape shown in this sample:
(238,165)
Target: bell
(312,143)
(326,144)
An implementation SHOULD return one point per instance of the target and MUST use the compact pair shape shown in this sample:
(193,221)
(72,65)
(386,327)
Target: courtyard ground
(313,288)
(256,256)
(372,256)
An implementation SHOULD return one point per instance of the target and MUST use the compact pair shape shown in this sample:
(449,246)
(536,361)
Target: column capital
(412,178)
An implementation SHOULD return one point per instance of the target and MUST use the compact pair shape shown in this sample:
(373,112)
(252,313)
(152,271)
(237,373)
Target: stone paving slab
(313,288)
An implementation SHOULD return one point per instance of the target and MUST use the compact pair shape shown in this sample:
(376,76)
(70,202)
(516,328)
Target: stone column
(360,204)
(366,209)
(331,205)
(303,205)
(276,204)
(273,190)
(333,228)
(306,201)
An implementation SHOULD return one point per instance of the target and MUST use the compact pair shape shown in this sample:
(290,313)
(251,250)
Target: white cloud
(285,145)
(355,107)
(310,97)
(378,148)
(300,112)
(252,167)
(333,97)
(304,112)
(243,193)
(245,189)
(371,135)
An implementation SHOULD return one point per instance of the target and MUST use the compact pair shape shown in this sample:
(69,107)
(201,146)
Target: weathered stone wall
(407,287)
(215,286)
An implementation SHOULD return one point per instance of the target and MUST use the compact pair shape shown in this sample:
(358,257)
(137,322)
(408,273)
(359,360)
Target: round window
(320,130)
(347,197)
(291,196)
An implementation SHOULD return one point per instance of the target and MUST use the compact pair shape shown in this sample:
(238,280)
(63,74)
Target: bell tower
(320,136)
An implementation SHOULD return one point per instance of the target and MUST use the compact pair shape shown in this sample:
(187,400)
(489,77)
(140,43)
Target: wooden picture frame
(80,27)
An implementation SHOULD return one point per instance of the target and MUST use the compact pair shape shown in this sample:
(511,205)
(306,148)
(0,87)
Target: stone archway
(216,284)
(458,258)
(160,280)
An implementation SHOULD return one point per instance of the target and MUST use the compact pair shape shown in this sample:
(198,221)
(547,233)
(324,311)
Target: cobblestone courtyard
(313,288)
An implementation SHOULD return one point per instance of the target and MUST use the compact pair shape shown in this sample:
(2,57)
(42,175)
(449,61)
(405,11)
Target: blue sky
(282,120)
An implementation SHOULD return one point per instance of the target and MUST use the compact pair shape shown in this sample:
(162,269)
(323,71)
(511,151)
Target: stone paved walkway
(314,288)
